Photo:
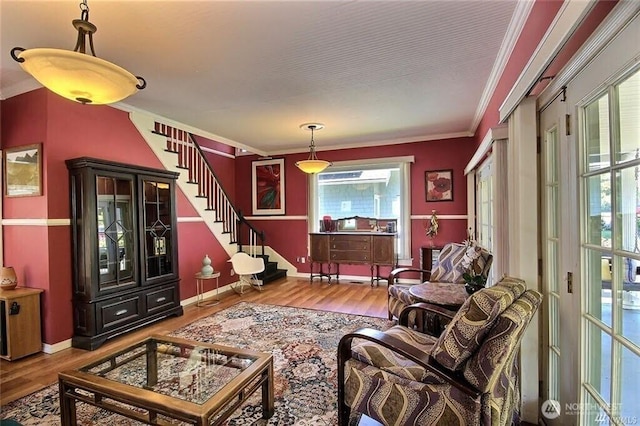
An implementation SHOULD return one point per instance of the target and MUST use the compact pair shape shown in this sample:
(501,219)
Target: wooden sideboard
(361,248)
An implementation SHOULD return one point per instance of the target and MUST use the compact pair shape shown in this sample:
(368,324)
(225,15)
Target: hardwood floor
(22,377)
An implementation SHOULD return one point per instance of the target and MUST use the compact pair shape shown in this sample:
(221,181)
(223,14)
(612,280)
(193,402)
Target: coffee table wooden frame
(99,391)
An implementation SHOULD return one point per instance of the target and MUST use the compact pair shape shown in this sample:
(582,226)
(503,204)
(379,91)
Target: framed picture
(438,185)
(267,188)
(23,171)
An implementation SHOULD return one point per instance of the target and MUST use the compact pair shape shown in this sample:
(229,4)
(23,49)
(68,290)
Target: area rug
(303,342)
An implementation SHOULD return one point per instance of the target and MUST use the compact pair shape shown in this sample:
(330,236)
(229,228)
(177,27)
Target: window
(484,210)
(376,188)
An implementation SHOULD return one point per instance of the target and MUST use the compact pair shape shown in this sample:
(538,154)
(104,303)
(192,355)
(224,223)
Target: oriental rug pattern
(303,343)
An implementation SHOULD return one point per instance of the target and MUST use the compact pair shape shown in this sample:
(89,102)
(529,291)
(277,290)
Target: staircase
(178,151)
(271,271)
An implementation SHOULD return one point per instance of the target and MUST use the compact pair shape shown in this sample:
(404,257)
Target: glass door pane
(551,259)
(158,229)
(115,231)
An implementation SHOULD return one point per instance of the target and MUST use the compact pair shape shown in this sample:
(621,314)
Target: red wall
(41,253)
(289,237)
(540,17)
(69,130)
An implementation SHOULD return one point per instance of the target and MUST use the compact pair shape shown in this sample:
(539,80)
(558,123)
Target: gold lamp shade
(313,164)
(79,77)
(8,278)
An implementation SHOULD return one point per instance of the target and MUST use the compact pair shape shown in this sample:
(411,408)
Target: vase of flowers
(473,282)
(432,228)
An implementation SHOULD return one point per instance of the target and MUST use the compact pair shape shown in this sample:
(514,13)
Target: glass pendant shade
(78,74)
(312,166)
(79,77)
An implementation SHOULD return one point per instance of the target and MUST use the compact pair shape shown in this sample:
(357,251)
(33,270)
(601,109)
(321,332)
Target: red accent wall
(540,17)
(289,236)
(41,253)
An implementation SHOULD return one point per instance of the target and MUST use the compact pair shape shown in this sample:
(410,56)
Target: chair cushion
(467,330)
(392,400)
(401,292)
(388,360)
(499,344)
(482,265)
(399,298)
(454,260)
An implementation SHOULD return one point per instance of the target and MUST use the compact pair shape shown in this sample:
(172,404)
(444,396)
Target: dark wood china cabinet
(125,251)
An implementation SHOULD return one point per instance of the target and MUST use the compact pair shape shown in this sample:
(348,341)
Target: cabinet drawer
(161,299)
(350,238)
(350,256)
(351,245)
(117,312)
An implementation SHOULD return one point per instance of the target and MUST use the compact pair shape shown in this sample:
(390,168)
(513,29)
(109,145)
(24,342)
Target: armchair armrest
(402,348)
(435,317)
(399,271)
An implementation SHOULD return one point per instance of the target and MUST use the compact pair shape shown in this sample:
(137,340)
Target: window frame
(404,219)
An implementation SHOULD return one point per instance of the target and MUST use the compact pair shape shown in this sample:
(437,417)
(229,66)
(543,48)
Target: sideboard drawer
(350,238)
(347,256)
(351,245)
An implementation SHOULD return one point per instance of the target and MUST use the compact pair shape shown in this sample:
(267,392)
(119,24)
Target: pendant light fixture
(78,75)
(313,164)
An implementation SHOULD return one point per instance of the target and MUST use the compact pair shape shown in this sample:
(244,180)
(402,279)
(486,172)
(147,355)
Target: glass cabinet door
(158,229)
(115,231)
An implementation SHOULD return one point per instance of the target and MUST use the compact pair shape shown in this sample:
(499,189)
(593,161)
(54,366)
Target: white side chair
(247,268)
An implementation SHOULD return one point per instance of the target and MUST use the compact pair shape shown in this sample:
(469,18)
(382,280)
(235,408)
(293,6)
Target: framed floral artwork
(439,185)
(268,187)
(23,171)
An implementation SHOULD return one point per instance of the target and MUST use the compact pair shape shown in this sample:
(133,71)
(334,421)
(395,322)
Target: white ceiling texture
(249,73)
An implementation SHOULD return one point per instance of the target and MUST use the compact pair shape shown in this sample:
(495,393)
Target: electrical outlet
(302,259)
(233,272)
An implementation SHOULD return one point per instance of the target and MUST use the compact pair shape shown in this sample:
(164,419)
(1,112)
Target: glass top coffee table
(163,378)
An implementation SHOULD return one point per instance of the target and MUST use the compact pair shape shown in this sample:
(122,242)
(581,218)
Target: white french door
(590,205)
(610,247)
(559,227)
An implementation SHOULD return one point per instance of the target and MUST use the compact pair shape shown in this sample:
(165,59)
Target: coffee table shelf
(162,378)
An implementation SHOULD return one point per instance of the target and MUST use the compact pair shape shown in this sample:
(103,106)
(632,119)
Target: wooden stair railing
(200,172)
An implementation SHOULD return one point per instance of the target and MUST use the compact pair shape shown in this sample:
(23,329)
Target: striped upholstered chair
(453,261)
(466,376)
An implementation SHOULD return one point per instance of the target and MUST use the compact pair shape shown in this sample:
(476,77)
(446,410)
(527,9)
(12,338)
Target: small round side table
(449,295)
(200,279)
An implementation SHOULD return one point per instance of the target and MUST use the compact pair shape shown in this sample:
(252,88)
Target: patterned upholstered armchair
(454,260)
(466,376)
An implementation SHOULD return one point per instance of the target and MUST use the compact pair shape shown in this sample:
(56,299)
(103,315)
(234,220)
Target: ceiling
(249,73)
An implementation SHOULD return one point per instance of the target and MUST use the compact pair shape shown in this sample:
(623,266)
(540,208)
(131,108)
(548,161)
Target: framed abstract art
(438,185)
(267,180)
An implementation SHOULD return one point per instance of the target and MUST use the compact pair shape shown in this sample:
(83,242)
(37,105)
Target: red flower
(268,186)
(434,195)
(432,176)
(442,185)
